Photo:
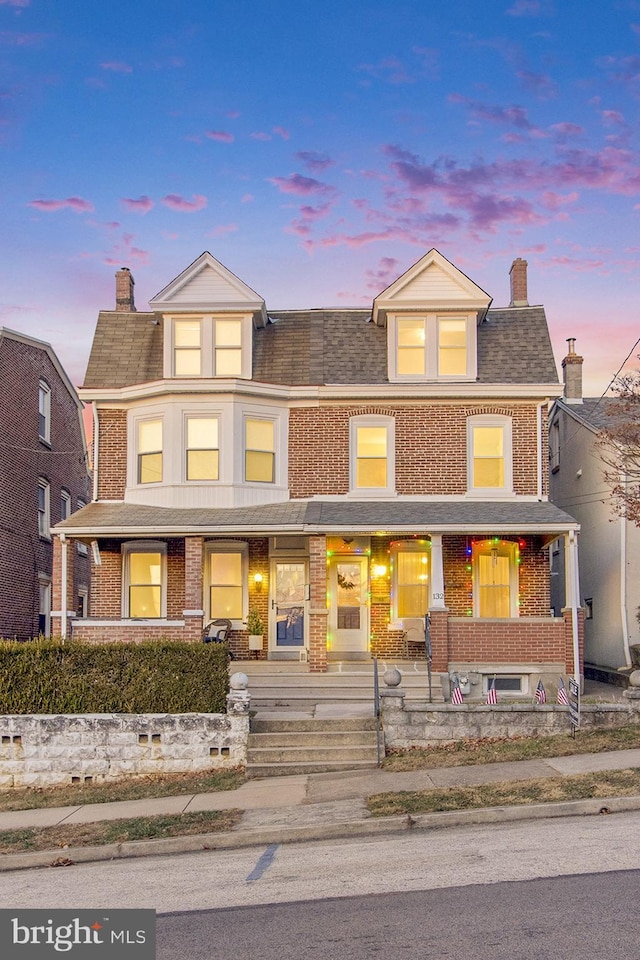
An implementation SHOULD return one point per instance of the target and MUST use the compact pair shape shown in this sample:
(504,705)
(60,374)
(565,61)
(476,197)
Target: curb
(262,836)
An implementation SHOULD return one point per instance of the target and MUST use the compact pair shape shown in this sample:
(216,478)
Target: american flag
(541,693)
(562,693)
(492,693)
(456,693)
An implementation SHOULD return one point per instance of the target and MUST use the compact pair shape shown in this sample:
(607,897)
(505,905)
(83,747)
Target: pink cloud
(233,114)
(513,115)
(383,275)
(301,186)
(281,132)
(77,204)
(175,202)
(117,66)
(539,84)
(314,161)
(555,201)
(247,198)
(260,135)
(612,117)
(525,8)
(221,136)
(15,3)
(11,39)
(222,229)
(389,69)
(567,129)
(309,215)
(141,205)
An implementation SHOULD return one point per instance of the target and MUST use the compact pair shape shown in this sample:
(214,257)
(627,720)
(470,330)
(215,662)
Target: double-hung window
(65,504)
(452,347)
(411,570)
(144,580)
(149,451)
(495,578)
(372,441)
(44,508)
(202,448)
(489,447)
(44,411)
(82,548)
(227,578)
(227,347)
(259,451)
(187,348)
(432,347)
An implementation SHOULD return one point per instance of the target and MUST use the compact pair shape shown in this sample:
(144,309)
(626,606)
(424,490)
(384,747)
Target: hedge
(48,676)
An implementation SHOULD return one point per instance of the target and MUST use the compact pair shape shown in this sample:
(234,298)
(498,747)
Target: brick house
(342,471)
(43,479)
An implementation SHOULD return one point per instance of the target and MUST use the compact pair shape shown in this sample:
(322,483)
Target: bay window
(202,448)
(150,451)
(259,462)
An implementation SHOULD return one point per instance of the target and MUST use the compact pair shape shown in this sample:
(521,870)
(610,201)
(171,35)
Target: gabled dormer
(209,316)
(431,314)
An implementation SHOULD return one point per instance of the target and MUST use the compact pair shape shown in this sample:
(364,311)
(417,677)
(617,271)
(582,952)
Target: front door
(288,604)
(348,608)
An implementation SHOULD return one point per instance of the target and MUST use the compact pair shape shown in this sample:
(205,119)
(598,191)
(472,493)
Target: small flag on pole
(562,693)
(492,693)
(456,693)
(541,693)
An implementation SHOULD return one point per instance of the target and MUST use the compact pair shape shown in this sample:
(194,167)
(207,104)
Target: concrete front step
(307,754)
(314,738)
(280,746)
(309,725)
(300,769)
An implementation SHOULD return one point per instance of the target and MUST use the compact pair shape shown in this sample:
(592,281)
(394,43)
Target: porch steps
(286,747)
(274,687)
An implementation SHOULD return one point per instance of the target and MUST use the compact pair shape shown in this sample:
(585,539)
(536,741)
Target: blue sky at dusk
(318,150)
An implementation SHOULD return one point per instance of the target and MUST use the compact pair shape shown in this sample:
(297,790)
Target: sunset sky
(318,150)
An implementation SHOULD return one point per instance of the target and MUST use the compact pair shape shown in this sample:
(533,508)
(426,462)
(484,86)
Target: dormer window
(187,348)
(208,345)
(431,347)
(228,347)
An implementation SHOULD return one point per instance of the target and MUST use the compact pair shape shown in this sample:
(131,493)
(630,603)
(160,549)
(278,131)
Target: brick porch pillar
(439,638)
(193,613)
(318,611)
(568,640)
(60,554)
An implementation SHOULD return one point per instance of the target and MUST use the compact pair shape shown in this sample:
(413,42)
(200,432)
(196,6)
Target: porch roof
(109,519)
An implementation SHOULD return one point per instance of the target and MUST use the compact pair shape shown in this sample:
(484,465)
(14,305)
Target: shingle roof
(114,519)
(596,412)
(309,347)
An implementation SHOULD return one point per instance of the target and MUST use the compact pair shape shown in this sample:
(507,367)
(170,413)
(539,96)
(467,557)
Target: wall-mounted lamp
(379,570)
(257,579)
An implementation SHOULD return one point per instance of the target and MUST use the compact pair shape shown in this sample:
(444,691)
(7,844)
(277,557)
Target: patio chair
(218,631)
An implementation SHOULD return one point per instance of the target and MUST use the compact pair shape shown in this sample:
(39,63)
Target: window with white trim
(554,446)
(202,448)
(149,451)
(372,459)
(44,411)
(226,582)
(410,581)
(65,505)
(144,580)
(187,348)
(259,450)
(227,346)
(82,602)
(44,605)
(495,578)
(489,454)
(44,508)
(81,547)
(431,347)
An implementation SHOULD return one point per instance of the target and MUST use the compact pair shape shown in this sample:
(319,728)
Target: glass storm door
(348,613)
(288,603)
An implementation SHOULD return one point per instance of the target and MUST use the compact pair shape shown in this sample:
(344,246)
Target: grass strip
(63,836)
(140,788)
(582,786)
(468,752)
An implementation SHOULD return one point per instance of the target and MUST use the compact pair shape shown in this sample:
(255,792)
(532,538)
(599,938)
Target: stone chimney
(572,374)
(518,278)
(124,291)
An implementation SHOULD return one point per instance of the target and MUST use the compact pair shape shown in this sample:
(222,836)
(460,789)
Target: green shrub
(48,676)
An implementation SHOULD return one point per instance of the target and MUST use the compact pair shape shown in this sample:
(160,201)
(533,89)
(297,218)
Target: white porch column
(63,588)
(573,595)
(437,573)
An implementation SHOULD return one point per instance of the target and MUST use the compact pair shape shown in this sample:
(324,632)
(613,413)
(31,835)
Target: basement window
(504,684)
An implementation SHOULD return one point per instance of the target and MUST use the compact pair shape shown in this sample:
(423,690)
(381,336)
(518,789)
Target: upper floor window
(144,580)
(202,448)
(410,580)
(149,451)
(372,444)
(554,446)
(495,578)
(431,347)
(44,411)
(81,547)
(65,505)
(260,456)
(44,508)
(228,348)
(187,348)
(489,454)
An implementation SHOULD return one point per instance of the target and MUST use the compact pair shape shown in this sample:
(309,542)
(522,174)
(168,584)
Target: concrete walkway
(316,806)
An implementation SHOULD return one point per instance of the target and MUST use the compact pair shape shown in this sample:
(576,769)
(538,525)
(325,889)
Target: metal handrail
(376,708)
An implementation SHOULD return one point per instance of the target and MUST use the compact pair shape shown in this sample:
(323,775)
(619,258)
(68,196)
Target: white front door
(348,607)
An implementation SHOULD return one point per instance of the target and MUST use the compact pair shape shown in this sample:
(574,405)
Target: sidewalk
(318,806)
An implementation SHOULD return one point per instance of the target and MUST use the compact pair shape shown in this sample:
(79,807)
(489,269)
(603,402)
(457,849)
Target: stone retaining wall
(416,725)
(46,751)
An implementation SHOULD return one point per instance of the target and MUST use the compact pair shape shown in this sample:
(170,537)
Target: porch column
(437,573)
(193,612)
(318,611)
(572,588)
(62,587)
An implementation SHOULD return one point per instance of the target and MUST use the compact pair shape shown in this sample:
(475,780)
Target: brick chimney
(572,374)
(518,278)
(124,291)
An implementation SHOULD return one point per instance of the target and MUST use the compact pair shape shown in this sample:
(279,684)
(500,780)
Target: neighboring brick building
(342,471)
(43,479)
